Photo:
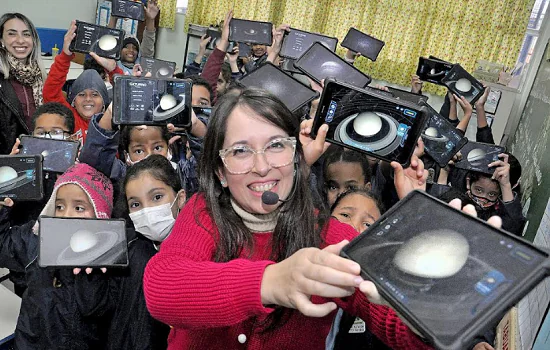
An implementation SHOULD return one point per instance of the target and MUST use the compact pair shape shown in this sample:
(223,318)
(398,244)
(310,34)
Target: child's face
(52,125)
(129,53)
(485,189)
(357,211)
(145,142)
(343,176)
(258,50)
(145,191)
(200,96)
(72,202)
(88,102)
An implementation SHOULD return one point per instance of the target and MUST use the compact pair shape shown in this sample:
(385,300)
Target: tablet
(147,101)
(79,242)
(320,63)
(128,9)
(59,155)
(381,126)
(105,42)
(431,70)
(293,93)
(462,83)
(251,32)
(442,140)
(159,69)
(477,156)
(21,178)
(365,44)
(244,50)
(452,276)
(297,41)
(407,95)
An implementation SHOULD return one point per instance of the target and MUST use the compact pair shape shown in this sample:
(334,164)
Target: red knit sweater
(210,304)
(53,91)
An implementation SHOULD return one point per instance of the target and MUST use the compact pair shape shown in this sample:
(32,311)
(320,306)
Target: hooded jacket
(53,89)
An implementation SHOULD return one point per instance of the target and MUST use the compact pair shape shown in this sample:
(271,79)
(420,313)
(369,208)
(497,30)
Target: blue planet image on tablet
(87,247)
(372,131)
(10,179)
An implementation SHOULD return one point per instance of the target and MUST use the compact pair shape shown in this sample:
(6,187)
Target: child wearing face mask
(152,198)
(57,307)
(495,194)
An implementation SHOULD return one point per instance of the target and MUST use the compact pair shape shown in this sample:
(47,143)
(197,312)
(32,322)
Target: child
(358,208)
(88,95)
(153,198)
(493,195)
(344,170)
(56,307)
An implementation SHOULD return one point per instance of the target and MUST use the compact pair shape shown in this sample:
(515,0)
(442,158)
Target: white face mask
(155,223)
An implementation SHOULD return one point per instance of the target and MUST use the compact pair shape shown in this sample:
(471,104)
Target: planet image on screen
(169,106)
(11,179)
(86,246)
(372,131)
(433,254)
(367,124)
(83,240)
(250,32)
(163,71)
(463,85)
(167,102)
(433,71)
(433,134)
(107,42)
(476,156)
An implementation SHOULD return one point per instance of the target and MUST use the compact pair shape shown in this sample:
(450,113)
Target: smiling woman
(22,77)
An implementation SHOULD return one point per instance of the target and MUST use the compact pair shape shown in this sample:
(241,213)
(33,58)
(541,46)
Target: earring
(223,182)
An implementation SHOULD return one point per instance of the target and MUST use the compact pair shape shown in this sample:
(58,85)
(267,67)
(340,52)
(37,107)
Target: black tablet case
(128,9)
(297,42)
(251,32)
(365,44)
(479,161)
(456,73)
(87,39)
(27,185)
(58,155)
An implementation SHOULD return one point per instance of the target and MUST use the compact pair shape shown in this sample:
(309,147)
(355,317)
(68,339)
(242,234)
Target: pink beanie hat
(96,185)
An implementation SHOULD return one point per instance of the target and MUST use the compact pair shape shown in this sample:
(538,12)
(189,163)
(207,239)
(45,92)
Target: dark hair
(361,191)
(200,81)
(155,165)
(55,108)
(297,226)
(126,132)
(226,72)
(515,173)
(337,154)
(90,63)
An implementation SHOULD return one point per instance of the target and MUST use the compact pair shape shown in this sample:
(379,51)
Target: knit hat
(130,40)
(96,185)
(89,79)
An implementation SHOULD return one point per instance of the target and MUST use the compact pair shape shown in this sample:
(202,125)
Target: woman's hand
(107,63)
(313,148)
(68,38)
(310,271)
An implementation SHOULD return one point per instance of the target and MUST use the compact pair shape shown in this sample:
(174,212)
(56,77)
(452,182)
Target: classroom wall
(52,13)
(171,43)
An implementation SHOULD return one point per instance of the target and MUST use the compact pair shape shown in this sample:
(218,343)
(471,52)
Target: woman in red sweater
(241,272)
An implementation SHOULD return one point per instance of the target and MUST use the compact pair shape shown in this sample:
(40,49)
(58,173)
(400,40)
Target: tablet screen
(432,70)
(444,268)
(158,68)
(152,101)
(477,156)
(105,42)
(320,63)
(75,242)
(58,155)
(293,93)
(21,177)
(296,42)
(365,44)
(128,9)
(462,83)
(253,32)
(367,122)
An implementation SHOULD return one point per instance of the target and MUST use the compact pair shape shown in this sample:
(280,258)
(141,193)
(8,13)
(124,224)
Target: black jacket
(12,123)
(58,309)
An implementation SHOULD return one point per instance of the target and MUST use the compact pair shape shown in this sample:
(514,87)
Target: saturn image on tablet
(169,106)
(432,134)
(10,179)
(86,247)
(476,156)
(372,131)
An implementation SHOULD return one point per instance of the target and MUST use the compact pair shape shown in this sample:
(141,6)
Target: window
(533,31)
(181,6)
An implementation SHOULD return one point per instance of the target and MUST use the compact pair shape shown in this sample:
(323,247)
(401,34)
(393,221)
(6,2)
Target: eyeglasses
(54,133)
(241,159)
